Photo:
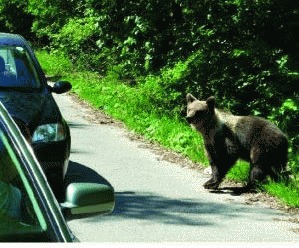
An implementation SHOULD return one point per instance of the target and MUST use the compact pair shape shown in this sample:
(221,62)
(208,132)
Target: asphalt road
(159,201)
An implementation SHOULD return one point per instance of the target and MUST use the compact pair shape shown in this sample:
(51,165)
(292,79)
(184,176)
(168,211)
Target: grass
(136,107)
(287,194)
(124,103)
(239,172)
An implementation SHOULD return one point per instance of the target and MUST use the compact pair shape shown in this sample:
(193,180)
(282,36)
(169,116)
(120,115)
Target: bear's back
(251,131)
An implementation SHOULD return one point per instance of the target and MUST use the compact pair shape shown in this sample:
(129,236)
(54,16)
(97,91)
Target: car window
(20,214)
(17,69)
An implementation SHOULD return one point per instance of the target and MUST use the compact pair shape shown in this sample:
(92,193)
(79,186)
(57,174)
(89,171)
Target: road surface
(156,200)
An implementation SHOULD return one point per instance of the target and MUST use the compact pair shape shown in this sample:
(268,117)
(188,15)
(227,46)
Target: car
(27,96)
(29,211)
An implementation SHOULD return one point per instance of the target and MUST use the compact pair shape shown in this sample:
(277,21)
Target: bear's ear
(211,103)
(190,98)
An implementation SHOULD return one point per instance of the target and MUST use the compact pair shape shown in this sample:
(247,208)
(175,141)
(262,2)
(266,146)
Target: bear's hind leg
(256,176)
(257,165)
(278,164)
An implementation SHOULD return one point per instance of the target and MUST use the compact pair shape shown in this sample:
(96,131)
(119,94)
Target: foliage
(14,18)
(244,52)
(288,194)
(49,16)
(55,64)
(287,118)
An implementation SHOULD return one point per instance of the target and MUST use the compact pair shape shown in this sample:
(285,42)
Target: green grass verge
(134,106)
(124,103)
(288,194)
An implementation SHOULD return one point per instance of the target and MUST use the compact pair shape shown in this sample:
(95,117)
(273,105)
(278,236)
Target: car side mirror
(61,87)
(87,199)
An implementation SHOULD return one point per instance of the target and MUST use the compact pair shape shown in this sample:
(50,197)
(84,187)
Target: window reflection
(16,68)
(18,210)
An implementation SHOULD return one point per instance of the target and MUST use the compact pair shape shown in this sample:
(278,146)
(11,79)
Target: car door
(28,209)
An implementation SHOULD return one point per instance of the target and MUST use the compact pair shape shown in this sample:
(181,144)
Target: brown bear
(228,137)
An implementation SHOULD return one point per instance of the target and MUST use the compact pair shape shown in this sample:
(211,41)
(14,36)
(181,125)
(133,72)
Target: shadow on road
(76,125)
(147,206)
(153,208)
(78,173)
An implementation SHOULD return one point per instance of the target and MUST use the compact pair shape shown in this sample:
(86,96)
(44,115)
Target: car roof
(12,39)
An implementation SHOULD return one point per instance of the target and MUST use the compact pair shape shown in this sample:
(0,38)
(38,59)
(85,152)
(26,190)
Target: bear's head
(200,113)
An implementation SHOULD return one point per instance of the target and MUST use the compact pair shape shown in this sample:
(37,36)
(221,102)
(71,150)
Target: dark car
(29,211)
(25,93)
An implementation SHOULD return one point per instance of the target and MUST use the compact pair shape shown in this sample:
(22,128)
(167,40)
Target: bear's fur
(228,138)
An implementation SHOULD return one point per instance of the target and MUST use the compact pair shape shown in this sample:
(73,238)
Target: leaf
(289,104)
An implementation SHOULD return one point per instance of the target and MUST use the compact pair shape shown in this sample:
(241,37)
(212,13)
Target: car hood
(32,109)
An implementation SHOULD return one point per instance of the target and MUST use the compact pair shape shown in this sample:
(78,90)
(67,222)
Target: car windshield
(20,214)
(17,69)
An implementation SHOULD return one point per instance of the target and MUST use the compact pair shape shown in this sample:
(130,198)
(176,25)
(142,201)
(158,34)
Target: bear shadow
(233,190)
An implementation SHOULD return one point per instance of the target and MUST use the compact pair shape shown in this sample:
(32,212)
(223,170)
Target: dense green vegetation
(140,58)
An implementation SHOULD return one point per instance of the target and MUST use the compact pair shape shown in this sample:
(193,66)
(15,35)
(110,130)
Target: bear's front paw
(211,184)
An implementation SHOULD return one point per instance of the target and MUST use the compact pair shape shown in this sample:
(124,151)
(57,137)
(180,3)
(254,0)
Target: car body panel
(25,106)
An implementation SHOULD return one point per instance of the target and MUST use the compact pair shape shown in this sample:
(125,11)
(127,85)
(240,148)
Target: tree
(14,18)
